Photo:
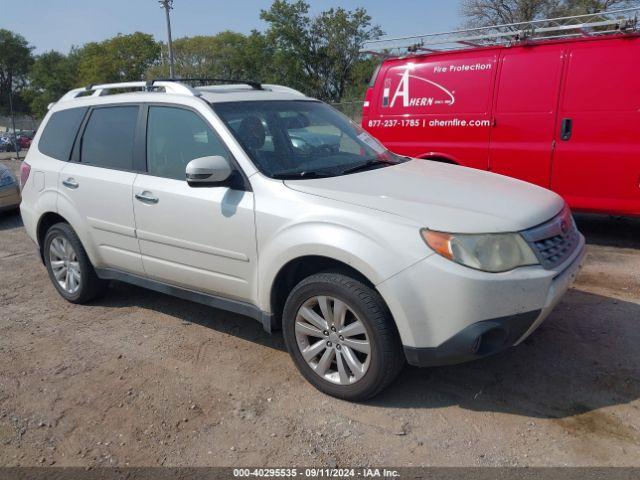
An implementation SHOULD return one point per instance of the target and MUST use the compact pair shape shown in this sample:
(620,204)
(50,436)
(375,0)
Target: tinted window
(109,137)
(60,132)
(302,139)
(176,136)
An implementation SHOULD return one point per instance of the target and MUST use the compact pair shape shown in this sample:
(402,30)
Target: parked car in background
(9,190)
(364,258)
(24,141)
(562,113)
(6,142)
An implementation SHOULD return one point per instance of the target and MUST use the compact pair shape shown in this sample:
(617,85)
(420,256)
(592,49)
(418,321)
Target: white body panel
(102,203)
(233,243)
(199,238)
(443,197)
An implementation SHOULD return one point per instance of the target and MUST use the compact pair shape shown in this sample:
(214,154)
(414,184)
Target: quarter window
(60,132)
(108,139)
(176,136)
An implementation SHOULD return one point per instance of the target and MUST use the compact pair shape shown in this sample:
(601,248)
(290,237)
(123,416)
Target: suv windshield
(302,139)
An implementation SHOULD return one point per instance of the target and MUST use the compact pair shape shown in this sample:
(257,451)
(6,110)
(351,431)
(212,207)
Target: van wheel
(341,336)
(68,265)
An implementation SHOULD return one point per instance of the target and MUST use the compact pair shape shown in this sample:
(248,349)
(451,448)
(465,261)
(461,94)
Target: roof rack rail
(602,23)
(169,86)
(207,82)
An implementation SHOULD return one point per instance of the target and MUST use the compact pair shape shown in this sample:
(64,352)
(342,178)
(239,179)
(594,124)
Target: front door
(198,238)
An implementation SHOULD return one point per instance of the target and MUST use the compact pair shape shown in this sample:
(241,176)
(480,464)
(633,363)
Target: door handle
(70,183)
(147,197)
(566,129)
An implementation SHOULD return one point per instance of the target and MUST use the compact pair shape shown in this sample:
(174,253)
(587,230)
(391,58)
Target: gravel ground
(142,379)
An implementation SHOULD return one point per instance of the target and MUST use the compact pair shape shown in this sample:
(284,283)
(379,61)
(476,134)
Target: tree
(481,13)
(15,60)
(121,58)
(225,55)
(578,7)
(317,54)
(51,76)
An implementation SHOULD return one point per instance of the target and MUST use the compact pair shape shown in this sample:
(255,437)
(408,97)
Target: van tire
(365,304)
(90,285)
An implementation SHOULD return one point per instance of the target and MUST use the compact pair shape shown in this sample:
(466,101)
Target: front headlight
(6,178)
(490,252)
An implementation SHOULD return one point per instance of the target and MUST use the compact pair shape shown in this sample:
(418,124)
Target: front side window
(176,136)
(109,137)
(298,139)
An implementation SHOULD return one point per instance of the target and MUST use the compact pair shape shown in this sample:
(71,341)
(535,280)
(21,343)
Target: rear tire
(357,352)
(68,265)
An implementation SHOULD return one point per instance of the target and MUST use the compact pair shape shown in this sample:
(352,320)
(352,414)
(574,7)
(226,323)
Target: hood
(442,197)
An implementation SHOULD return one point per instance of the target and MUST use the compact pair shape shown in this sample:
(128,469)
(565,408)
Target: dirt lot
(139,378)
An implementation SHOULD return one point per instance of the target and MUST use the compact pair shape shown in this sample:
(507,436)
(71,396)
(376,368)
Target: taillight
(25,170)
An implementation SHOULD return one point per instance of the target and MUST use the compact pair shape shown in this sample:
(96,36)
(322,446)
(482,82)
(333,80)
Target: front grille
(554,241)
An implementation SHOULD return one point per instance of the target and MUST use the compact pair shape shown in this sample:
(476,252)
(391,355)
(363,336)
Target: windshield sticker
(372,142)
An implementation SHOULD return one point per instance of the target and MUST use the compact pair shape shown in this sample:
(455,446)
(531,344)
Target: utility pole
(168,6)
(13,117)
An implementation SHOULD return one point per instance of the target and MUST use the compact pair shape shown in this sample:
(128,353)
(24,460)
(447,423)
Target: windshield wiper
(368,165)
(299,175)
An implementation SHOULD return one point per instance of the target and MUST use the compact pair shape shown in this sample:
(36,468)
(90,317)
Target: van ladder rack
(615,21)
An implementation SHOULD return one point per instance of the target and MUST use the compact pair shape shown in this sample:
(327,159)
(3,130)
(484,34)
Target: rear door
(97,186)
(201,238)
(596,164)
(525,110)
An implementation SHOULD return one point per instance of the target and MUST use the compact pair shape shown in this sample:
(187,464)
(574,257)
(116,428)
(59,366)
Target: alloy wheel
(64,264)
(333,340)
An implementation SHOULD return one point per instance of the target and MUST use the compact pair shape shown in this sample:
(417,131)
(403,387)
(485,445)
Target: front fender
(365,253)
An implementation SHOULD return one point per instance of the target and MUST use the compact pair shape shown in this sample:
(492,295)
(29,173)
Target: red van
(562,113)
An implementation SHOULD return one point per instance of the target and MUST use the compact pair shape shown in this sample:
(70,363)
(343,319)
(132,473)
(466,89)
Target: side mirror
(208,171)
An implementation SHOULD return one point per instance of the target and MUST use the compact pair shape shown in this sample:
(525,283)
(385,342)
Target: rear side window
(60,132)
(108,139)
(176,136)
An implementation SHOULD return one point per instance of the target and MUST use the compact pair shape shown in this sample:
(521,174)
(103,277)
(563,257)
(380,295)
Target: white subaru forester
(258,200)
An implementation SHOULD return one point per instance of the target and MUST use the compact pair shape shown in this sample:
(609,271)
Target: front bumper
(447,313)
(9,196)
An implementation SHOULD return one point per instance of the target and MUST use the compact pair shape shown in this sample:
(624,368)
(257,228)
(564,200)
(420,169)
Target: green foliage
(225,55)
(52,75)
(121,58)
(15,60)
(317,54)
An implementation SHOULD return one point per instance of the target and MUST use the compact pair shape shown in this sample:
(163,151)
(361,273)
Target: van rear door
(525,110)
(596,164)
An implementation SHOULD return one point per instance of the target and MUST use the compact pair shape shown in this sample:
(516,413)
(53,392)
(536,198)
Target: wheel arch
(299,268)
(45,222)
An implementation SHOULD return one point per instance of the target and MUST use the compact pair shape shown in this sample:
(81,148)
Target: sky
(60,24)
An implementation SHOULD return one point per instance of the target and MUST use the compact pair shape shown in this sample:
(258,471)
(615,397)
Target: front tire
(68,265)
(341,336)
